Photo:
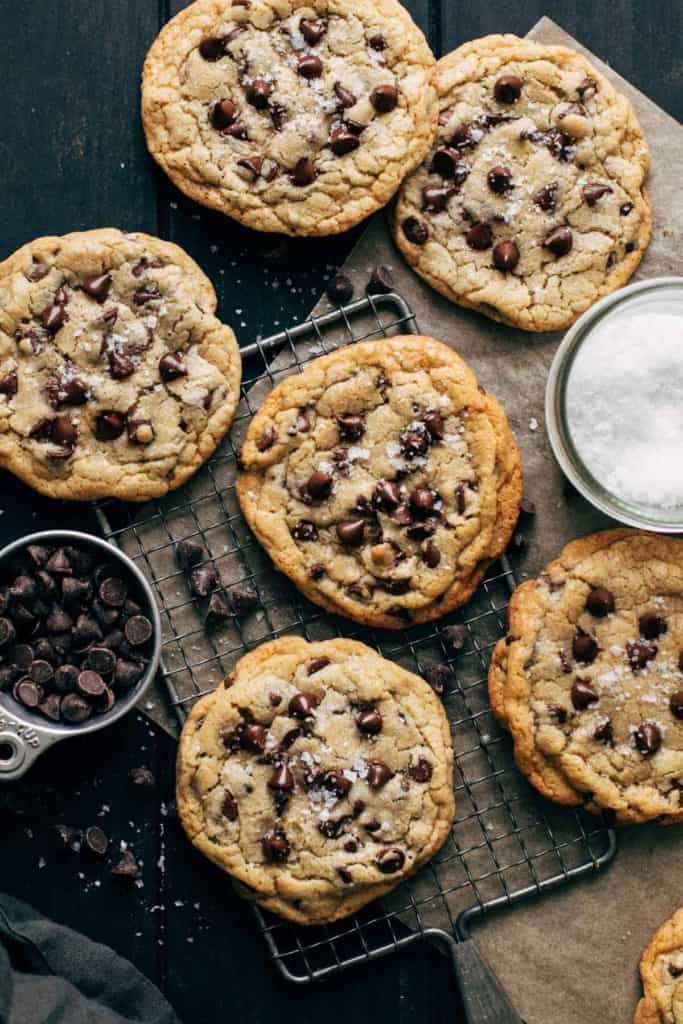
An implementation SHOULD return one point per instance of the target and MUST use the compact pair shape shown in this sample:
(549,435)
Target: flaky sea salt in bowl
(614,405)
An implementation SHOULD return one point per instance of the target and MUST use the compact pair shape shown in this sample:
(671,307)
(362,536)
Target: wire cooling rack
(507,843)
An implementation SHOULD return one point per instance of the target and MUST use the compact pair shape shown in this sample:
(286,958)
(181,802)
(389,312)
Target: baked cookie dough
(116,378)
(320,775)
(531,204)
(294,116)
(661,968)
(382,480)
(589,680)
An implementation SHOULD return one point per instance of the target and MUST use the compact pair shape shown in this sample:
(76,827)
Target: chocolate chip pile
(73,635)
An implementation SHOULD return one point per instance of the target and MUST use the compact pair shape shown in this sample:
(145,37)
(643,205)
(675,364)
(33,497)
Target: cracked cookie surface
(116,378)
(320,776)
(589,680)
(382,480)
(290,116)
(531,203)
(661,969)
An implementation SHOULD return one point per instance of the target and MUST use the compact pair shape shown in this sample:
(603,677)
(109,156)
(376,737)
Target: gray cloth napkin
(52,975)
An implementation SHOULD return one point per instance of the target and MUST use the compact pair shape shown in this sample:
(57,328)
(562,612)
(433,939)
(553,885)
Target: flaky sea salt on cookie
(531,204)
(300,117)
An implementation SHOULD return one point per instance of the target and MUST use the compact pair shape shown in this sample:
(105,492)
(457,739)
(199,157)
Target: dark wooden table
(72,156)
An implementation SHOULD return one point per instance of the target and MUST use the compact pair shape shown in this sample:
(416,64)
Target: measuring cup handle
(483,997)
(20,745)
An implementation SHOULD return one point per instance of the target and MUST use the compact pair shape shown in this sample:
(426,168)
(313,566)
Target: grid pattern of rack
(506,843)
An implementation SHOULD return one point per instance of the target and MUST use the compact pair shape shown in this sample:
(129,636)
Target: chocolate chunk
(223,113)
(148,293)
(651,625)
(603,732)
(351,427)
(600,602)
(340,289)
(369,722)
(415,230)
(648,738)
(435,199)
(479,236)
(63,431)
(312,31)
(390,860)
(384,98)
(331,827)
(98,287)
(109,426)
(9,384)
(95,841)
(421,771)
(171,366)
(113,592)
(303,172)
(259,92)
(212,48)
(559,241)
(65,678)
(438,676)
(351,532)
(594,191)
(500,179)
(583,694)
(100,660)
(282,779)
(275,846)
(639,653)
(46,584)
(217,611)
(127,868)
(203,580)
(585,648)
(75,709)
(309,66)
(454,637)
(381,281)
(189,553)
(243,599)
(254,737)
(508,89)
(505,256)
(546,199)
(127,674)
(379,774)
(319,485)
(138,630)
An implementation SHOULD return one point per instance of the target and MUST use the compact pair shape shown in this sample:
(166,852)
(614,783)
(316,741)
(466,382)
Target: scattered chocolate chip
(9,384)
(454,637)
(585,648)
(203,580)
(600,602)
(648,738)
(340,289)
(217,611)
(508,89)
(189,553)
(415,230)
(583,694)
(390,860)
(243,599)
(438,676)
(369,722)
(480,236)
(127,868)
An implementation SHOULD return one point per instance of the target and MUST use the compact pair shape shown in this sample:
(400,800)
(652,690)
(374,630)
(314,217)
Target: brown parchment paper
(572,957)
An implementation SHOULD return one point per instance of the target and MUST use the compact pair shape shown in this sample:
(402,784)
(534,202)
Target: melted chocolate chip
(305,531)
(435,199)
(508,89)
(369,722)
(171,366)
(379,774)
(448,163)
(414,440)
(421,771)
(301,705)
(479,236)
(639,653)
(345,97)
(600,602)
(603,732)
(500,180)
(319,485)
(259,92)
(559,241)
(109,426)
(275,846)
(546,199)
(583,694)
(351,426)
(384,98)
(212,48)
(312,31)
(98,287)
(309,66)
(415,230)
(223,113)
(651,625)
(303,172)
(351,532)
(390,860)
(648,738)
(585,648)
(9,384)
(594,191)
(505,256)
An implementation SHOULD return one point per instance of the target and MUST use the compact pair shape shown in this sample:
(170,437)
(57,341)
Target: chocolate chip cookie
(320,775)
(116,378)
(382,480)
(589,680)
(531,204)
(300,117)
(661,968)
